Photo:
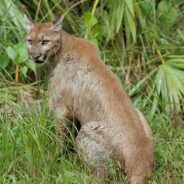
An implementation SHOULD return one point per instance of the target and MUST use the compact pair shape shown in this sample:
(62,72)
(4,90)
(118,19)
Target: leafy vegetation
(142,42)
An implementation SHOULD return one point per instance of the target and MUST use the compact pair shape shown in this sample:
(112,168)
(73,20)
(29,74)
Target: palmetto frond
(170,83)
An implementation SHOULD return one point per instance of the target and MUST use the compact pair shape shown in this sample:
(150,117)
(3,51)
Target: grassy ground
(28,151)
(153,65)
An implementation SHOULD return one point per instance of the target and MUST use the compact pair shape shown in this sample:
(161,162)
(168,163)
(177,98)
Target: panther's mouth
(42,60)
(39,61)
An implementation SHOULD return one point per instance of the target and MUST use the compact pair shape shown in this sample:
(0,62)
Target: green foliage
(12,18)
(122,11)
(167,14)
(90,20)
(4,61)
(129,29)
(18,54)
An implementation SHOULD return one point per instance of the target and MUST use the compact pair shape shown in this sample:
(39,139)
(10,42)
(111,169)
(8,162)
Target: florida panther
(82,87)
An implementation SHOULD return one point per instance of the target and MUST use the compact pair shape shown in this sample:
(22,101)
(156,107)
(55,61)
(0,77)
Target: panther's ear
(57,24)
(29,23)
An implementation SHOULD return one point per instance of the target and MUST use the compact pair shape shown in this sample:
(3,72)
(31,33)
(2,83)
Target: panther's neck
(66,43)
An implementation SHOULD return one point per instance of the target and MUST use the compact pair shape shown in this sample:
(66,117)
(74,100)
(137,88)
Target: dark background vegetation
(142,41)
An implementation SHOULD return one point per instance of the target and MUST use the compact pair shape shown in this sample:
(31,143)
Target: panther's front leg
(62,119)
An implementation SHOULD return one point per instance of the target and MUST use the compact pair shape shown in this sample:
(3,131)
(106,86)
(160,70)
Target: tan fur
(82,87)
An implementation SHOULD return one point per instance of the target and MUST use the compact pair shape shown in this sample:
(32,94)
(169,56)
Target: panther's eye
(45,42)
(30,41)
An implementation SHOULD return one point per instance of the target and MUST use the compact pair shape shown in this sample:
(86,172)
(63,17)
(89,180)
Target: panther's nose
(36,56)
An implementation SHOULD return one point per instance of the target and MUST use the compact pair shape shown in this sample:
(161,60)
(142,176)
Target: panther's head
(43,39)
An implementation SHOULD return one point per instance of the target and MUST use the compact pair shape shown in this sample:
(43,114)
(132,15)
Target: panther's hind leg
(91,147)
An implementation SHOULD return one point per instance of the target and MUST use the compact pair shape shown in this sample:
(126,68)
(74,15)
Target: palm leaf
(170,86)
(176,61)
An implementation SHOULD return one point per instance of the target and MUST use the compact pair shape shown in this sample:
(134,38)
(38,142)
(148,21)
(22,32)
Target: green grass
(151,70)
(28,151)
